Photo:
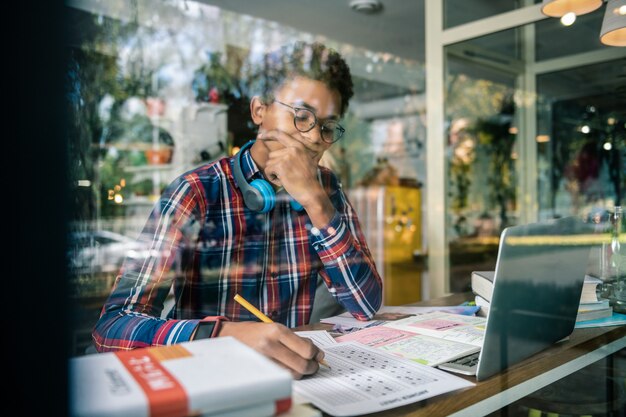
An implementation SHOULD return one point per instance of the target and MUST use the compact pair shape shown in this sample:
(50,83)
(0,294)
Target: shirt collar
(249,168)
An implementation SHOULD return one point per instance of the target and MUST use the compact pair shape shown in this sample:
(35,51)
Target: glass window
(577,135)
(581,141)
(482,152)
(553,40)
(458,12)
(159,88)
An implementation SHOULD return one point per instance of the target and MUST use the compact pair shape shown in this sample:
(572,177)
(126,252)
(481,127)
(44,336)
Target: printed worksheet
(321,338)
(345,322)
(416,347)
(441,325)
(363,380)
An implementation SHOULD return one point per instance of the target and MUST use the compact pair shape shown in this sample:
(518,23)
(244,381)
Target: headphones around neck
(258,195)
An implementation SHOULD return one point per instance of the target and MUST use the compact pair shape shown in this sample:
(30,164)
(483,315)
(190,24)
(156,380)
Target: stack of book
(482,287)
(591,307)
(208,377)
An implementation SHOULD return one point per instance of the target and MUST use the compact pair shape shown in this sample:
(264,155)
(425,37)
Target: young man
(261,224)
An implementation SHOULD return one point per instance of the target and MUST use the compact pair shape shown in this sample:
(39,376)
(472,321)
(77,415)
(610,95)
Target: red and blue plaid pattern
(206,246)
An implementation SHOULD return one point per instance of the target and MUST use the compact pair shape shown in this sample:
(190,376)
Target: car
(104,251)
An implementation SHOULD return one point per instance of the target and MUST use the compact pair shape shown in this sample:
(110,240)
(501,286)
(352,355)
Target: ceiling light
(558,8)
(542,138)
(568,19)
(366,6)
(613,30)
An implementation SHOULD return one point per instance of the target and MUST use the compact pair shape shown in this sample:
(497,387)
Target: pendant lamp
(613,30)
(558,8)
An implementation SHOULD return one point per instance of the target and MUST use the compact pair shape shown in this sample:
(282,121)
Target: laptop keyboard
(465,365)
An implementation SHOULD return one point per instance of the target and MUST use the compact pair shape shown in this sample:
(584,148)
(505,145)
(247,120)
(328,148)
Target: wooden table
(584,347)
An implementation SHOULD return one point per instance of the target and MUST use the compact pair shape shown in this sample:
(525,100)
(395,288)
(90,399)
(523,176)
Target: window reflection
(582,154)
(578,137)
(158,88)
(482,172)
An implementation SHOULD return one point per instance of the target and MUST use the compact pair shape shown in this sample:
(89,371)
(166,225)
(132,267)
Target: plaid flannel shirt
(204,246)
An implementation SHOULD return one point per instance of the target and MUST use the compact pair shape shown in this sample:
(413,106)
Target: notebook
(538,282)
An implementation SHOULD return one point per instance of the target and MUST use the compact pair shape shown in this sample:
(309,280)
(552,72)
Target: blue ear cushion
(267,194)
(295,205)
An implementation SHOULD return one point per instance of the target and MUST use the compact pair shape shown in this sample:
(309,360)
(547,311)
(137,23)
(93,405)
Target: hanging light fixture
(559,8)
(613,30)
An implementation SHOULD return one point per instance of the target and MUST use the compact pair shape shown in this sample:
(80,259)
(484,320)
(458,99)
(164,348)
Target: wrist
(320,211)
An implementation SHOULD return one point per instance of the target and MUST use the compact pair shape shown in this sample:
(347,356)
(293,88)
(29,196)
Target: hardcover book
(482,284)
(483,304)
(220,376)
(590,290)
(593,311)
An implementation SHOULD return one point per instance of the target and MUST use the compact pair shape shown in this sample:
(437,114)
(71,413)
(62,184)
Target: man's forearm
(320,210)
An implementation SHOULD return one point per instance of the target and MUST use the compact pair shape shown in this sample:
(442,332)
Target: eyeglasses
(304,120)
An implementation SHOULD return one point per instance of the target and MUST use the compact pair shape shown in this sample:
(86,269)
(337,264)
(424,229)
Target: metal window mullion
(526,104)
(493,24)
(436,173)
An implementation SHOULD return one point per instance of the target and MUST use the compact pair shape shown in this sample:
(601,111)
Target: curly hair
(310,60)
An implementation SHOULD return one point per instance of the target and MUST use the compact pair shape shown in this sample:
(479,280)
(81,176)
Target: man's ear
(257,110)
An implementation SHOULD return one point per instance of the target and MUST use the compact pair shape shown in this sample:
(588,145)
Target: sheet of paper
(423,349)
(412,310)
(363,380)
(346,322)
(321,338)
(454,327)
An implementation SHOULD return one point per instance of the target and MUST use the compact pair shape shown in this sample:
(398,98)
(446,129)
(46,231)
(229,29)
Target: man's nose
(315,134)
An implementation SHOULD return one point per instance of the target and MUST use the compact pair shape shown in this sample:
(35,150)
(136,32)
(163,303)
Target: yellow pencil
(252,309)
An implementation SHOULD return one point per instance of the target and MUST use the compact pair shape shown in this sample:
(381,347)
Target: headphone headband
(258,195)
(253,196)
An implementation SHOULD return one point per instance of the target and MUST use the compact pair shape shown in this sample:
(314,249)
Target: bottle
(617,261)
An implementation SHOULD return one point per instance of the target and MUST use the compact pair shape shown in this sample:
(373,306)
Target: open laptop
(538,282)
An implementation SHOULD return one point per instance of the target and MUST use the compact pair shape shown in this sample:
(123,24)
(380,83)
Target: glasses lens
(304,120)
(332,132)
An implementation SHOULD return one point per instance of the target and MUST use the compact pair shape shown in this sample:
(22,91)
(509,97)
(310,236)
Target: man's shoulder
(208,171)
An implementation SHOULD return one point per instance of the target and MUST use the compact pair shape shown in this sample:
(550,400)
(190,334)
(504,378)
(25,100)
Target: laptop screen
(538,282)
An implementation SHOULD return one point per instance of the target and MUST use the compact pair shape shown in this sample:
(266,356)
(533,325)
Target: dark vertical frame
(34,319)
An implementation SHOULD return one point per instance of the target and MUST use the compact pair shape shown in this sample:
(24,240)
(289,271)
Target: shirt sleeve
(131,316)
(349,269)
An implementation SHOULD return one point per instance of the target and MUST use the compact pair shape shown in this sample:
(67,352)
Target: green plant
(496,141)
(212,82)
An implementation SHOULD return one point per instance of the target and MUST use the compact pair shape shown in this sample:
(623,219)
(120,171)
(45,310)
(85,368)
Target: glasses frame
(316,122)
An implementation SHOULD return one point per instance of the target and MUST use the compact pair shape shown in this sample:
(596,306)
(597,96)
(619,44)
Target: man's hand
(299,355)
(294,167)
